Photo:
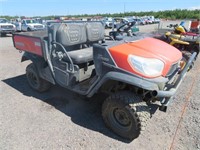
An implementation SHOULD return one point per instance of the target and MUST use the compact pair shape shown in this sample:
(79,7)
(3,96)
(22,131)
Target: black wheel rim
(33,79)
(120,118)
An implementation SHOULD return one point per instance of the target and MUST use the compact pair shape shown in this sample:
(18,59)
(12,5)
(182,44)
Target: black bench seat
(80,56)
(77,39)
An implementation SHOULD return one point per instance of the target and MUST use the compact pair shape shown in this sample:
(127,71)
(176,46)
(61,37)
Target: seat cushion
(80,56)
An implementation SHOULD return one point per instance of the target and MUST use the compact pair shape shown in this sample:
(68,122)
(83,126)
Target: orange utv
(133,73)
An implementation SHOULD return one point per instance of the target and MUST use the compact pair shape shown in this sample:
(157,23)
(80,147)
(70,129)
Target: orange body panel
(148,48)
(32,45)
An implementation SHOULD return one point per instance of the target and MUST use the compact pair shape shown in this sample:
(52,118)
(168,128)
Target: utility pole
(124,8)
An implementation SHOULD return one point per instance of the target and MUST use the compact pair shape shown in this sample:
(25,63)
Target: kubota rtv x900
(134,73)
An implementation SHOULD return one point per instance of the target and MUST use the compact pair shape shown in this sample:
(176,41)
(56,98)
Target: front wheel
(34,79)
(126,114)
(2,34)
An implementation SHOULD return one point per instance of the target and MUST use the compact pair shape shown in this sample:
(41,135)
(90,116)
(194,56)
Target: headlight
(148,66)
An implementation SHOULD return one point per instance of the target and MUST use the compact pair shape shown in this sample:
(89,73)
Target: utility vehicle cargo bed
(30,41)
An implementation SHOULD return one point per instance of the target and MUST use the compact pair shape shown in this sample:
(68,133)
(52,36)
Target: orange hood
(148,48)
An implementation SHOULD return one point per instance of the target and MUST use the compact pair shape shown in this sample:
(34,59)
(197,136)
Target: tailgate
(29,43)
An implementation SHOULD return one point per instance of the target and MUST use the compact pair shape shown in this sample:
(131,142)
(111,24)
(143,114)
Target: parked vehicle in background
(124,21)
(156,20)
(140,21)
(39,20)
(149,21)
(108,22)
(6,27)
(49,22)
(31,25)
(127,19)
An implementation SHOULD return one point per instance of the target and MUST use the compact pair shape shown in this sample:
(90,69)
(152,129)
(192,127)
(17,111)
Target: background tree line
(166,14)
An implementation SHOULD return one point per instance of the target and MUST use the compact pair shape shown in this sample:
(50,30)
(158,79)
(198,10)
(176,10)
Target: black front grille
(38,26)
(173,68)
(6,26)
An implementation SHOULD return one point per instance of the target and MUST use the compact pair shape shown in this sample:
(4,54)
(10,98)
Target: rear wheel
(35,81)
(28,29)
(126,114)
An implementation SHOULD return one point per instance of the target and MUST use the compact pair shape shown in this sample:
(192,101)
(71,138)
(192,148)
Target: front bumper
(170,90)
(37,29)
(6,31)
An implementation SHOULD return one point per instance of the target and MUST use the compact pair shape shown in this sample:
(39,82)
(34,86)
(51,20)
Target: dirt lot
(59,119)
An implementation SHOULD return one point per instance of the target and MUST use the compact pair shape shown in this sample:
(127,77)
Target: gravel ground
(59,119)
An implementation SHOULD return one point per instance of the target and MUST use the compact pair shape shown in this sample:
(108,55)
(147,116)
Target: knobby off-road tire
(126,114)
(35,81)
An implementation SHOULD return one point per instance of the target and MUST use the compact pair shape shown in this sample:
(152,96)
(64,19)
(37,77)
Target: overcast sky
(74,7)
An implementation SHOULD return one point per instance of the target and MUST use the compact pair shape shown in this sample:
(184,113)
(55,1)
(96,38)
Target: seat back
(71,35)
(77,38)
(75,33)
(95,32)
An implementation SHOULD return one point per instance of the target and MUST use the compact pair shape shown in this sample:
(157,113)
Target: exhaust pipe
(169,93)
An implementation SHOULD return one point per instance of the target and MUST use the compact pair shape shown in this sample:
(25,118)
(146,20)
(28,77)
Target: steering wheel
(126,27)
